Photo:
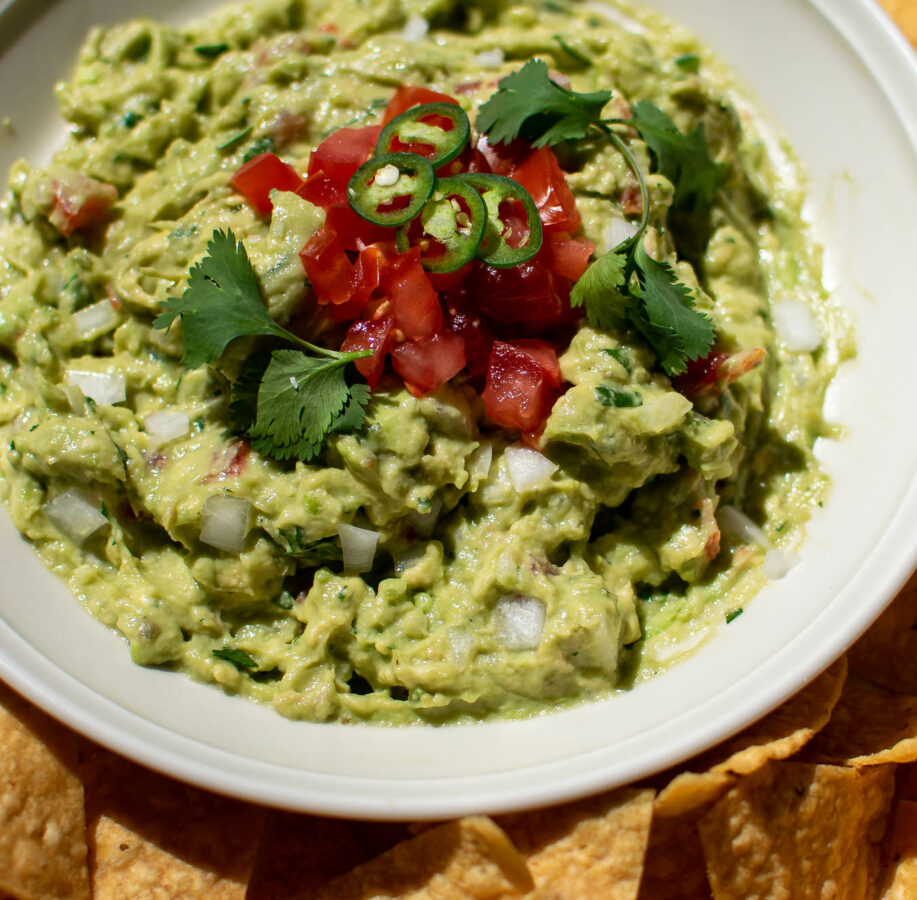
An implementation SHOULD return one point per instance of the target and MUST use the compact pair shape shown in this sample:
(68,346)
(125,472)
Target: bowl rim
(893,64)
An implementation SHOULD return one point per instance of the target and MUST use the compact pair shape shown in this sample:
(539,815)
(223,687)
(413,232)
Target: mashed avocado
(491,593)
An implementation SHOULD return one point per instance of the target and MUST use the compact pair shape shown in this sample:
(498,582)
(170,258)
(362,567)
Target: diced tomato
(569,256)
(334,162)
(519,392)
(375,335)
(327,267)
(529,294)
(426,364)
(498,159)
(545,355)
(463,321)
(259,176)
(414,301)
(700,373)
(450,281)
(343,152)
(353,230)
(540,174)
(408,96)
(80,202)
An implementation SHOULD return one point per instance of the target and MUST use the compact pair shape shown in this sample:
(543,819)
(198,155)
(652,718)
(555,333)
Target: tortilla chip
(150,836)
(586,849)
(798,830)
(778,735)
(465,859)
(308,851)
(906,782)
(904,12)
(887,653)
(900,853)
(869,726)
(42,826)
(674,868)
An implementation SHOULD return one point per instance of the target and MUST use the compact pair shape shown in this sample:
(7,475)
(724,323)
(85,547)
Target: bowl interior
(843,87)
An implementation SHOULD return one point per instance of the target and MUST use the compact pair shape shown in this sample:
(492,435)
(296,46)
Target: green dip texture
(488,597)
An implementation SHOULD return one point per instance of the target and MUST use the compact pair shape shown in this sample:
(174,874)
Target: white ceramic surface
(843,85)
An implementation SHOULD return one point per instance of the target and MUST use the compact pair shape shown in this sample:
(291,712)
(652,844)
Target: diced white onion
(100,387)
(480,461)
(796,325)
(358,546)
(94,320)
(424,523)
(76,399)
(736,524)
(75,514)
(618,230)
(519,622)
(613,14)
(778,562)
(415,29)
(527,468)
(413,555)
(225,522)
(167,425)
(490,59)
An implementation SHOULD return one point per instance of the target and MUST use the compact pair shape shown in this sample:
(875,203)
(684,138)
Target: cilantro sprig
(286,400)
(626,284)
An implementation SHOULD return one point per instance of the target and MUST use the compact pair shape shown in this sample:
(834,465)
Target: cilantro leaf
(683,158)
(529,104)
(300,398)
(221,303)
(285,401)
(239,658)
(601,291)
(666,316)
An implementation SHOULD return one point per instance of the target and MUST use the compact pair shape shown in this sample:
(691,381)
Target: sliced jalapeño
(513,231)
(391,189)
(449,228)
(437,131)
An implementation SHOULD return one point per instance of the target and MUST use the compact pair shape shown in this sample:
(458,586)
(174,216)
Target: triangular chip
(887,653)
(778,735)
(149,833)
(798,830)
(42,826)
(900,853)
(586,849)
(468,859)
(868,726)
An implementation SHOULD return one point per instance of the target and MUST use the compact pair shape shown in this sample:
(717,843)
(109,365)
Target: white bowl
(843,85)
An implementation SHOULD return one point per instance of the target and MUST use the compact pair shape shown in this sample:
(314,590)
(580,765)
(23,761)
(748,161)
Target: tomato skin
(544,355)
(426,364)
(414,301)
(450,281)
(258,177)
(462,320)
(327,267)
(408,96)
(569,256)
(80,202)
(519,392)
(540,174)
(371,334)
(529,294)
(333,163)
(354,231)
(699,374)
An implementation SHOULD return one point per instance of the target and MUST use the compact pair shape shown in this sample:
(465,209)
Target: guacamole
(427,565)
